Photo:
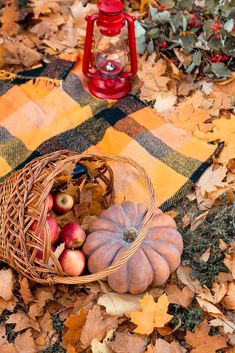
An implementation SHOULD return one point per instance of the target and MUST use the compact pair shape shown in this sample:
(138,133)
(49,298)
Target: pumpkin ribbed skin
(113,232)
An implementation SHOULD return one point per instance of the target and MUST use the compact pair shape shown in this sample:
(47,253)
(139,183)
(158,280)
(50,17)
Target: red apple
(39,254)
(72,262)
(72,235)
(50,202)
(53,229)
(62,202)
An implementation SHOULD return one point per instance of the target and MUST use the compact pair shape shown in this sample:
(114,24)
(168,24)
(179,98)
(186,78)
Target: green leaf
(140,35)
(229,47)
(191,68)
(185,4)
(153,33)
(217,71)
(175,22)
(197,58)
(220,70)
(163,16)
(214,43)
(206,27)
(228,26)
(170,3)
(184,18)
(187,43)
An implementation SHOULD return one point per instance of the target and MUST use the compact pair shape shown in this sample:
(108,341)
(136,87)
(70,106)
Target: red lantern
(110,51)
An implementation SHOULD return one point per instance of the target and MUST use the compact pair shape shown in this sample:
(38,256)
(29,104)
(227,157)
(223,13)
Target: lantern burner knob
(109,66)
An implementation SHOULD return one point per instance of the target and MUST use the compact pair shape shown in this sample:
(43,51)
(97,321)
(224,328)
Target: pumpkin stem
(130,235)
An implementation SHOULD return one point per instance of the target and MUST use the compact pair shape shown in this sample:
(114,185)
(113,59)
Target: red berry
(163,45)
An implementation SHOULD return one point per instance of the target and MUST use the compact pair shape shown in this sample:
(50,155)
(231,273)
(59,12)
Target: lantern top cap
(110,6)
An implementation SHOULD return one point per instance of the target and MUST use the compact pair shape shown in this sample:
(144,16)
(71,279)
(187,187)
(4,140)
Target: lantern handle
(88,43)
(132,44)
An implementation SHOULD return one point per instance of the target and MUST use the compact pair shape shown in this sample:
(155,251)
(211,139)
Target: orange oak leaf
(202,342)
(152,315)
(74,323)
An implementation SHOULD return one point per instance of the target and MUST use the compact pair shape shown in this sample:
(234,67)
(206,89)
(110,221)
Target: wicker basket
(19,245)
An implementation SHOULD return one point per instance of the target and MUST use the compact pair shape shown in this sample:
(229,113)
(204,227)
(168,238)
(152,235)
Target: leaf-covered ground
(186,63)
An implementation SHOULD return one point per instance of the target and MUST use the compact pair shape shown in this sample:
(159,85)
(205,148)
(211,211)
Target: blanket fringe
(46,82)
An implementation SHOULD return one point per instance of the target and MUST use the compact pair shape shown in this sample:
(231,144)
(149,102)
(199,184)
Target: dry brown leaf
(25,290)
(198,220)
(42,296)
(20,54)
(9,18)
(185,59)
(22,321)
(46,8)
(229,299)
(182,297)
(102,347)
(229,260)
(152,79)
(6,284)
(24,342)
(152,315)
(161,346)
(202,342)
(8,348)
(74,323)
(119,304)
(3,335)
(212,179)
(126,342)
(184,275)
(222,245)
(7,304)
(206,255)
(96,326)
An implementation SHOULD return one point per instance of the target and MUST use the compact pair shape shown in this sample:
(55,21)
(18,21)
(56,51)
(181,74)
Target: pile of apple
(72,235)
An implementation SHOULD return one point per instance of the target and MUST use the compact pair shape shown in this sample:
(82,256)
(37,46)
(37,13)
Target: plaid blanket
(36,120)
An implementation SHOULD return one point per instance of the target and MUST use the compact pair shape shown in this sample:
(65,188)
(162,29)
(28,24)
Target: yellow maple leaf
(152,315)
(143,3)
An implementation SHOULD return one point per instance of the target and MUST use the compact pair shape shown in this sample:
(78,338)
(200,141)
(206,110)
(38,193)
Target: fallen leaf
(41,296)
(229,299)
(161,346)
(126,342)
(184,274)
(198,220)
(22,321)
(212,179)
(6,284)
(165,102)
(102,347)
(8,348)
(20,54)
(9,18)
(96,326)
(202,342)
(182,297)
(152,315)
(24,342)
(118,304)
(74,323)
(206,255)
(3,335)
(7,304)
(25,290)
